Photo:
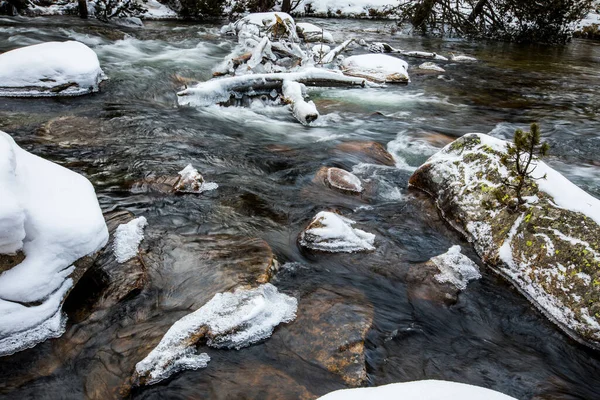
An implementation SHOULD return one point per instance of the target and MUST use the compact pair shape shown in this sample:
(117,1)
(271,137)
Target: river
(264,162)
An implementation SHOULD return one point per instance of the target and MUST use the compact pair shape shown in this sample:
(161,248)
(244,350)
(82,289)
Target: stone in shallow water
(333,233)
(330,332)
(548,248)
(340,180)
(368,152)
(377,68)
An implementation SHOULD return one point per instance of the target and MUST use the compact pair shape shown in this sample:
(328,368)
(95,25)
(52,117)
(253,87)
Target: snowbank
(418,390)
(548,247)
(455,268)
(377,68)
(53,216)
(347,8)
(128,238)
(332,232)
(229,320)
(50,69)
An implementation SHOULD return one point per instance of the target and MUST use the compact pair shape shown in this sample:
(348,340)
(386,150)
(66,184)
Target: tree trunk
(83,10)
(422,13)
(286,6)
(477,10)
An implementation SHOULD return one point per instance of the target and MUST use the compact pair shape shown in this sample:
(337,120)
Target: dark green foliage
(518,160)
(201,8)
(107,9)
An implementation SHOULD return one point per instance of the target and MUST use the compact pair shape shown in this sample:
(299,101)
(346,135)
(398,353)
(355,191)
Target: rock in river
(50,69)
(549,248)
(340,180)
(333,233)
(377,67)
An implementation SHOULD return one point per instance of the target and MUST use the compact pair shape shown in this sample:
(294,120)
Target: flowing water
(264,163)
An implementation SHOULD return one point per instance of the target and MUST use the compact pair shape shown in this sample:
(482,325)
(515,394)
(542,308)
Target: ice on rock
(128,238)
(344,180)
(419,390)
(50,69)
(429,66)
(312,33)
(455,268)
(229,320)
(191,181)
(52,215)
(377,67)
(333,233)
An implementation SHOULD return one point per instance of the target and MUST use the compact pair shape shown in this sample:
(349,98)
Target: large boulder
(548,248)
(50,69)
(50,216)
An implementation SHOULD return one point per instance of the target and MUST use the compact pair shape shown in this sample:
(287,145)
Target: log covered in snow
(305,112)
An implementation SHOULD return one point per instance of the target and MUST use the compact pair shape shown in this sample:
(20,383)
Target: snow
(34,70)
(345,8)
(128,238)
(333,233)
(455,268)
(233,321)
(312,33)
(192,182)
(303,111)
(156,10)
(53,216)
(377,67)
(431,67)
(418,390)
(462,58)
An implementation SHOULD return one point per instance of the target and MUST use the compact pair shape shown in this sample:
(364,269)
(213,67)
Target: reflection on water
(264,163)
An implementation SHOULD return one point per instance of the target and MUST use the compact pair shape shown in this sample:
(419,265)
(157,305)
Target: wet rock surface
(330,332)
(340,180)
(367,152)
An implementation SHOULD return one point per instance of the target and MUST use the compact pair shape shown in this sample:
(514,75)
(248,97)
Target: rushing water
(264,162)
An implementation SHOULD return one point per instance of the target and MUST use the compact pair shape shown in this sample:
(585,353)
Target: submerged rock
(189,180)
(229,320)
(333,233)
(340,180)
(50,69)
(330,332)
(548,248)
(368,152)
(377,68)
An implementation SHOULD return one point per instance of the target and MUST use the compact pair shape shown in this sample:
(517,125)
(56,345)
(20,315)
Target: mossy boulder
(548,248)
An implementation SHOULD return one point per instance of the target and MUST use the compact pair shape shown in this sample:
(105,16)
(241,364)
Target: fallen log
(330,57)
(218,91)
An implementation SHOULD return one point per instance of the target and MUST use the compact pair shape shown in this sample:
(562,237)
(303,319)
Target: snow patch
(128,238)
(332,232)
(455,268)
(376,67)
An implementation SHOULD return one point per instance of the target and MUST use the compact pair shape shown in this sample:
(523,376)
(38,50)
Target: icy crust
(53,216)
(229,321)
(333,233)
(455,268)
(418,390)
(50,69)
(377,67)
(549,249)
(128,238)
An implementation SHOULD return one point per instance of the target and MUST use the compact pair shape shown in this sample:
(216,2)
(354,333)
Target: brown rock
(340,180)
(330,331)
(7,261)
(423,286)
(369,151)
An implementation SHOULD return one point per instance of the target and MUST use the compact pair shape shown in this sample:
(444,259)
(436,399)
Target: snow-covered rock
(548,248)
(52,215)
(128,238)
(230,321)
(190,181)
(455,268)
(377,68)
(50,69)
(462,58)
(312,33)
(343,181)
(277,23)
(333,233)
(429,66)
(418,390)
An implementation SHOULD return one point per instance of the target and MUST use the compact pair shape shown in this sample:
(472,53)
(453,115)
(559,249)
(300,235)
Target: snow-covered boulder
(228,321)
(52,216)
(549,248)
(429,66)
(418,390)
(312,33)
(50,69)
(455,268)
(333,233)
(377,68)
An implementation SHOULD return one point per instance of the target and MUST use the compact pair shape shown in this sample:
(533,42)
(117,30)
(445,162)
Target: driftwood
(220,90)
(330,57)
